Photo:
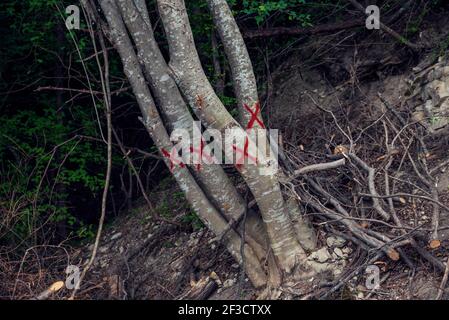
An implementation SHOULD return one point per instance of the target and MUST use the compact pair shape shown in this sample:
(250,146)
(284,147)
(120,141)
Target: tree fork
(212,179)
(153,123)
(245,88)
(191,79)
(216,183)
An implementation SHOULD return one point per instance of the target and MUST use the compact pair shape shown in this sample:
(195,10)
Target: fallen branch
(318,167)
(443,282)
(354,228)
(397,195)
(85,91)
(371,186)
(55,287)
(296,31)
(387,29)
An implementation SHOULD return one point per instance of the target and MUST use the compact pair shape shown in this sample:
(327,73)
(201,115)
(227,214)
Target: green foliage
(253,14)
(192,219)
(261,10)
(40,165)
(164,210)
(46,168)
(28,34)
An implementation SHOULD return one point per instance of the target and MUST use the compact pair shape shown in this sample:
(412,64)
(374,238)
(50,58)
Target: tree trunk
(173,108)
(207,188)
(154,125)
(192,81)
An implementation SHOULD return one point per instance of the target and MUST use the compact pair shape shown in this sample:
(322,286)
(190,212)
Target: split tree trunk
(192,81)
(209,190)
(155,127)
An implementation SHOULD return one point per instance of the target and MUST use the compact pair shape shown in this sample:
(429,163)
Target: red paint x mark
(254,118)
(254,115)
(173,157)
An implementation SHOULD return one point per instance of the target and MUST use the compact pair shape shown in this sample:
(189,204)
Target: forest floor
(140,259)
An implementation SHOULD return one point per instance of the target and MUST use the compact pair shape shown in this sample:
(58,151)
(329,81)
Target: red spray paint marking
(172,157)
(200,152)
(254,118)
(244,153)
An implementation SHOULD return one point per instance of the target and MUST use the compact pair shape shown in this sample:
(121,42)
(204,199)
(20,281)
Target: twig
(350,275)
(107,100)
(281,31)
(350,225)
(86,91)
(441,165)
(443,282)
(242,250)
(155,215)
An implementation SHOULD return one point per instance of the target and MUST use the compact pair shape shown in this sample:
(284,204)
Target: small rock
(235,266)
(334,241)
(360,288)
(116,236)
(339,253)
(337,272)
(103,249)
(321,255)
(228,283)
(338,267)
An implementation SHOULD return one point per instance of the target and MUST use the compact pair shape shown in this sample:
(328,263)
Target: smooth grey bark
(304,231)
(155,127)
(191,79)
(218,73)
(216,183)
(242,73)
(245,88)
(212,178)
